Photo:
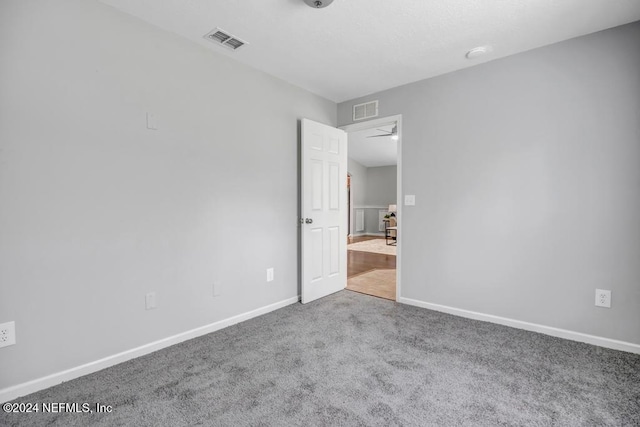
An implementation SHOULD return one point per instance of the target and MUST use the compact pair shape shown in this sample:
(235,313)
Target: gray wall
(358,174)
(526,172)
(374,186)
(381,191)
(96,210)
(358,182)
(381,185)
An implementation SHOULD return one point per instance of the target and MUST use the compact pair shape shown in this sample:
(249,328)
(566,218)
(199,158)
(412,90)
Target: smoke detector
(318,4)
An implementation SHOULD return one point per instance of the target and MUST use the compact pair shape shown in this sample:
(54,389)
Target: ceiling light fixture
(478,51)
(318,4)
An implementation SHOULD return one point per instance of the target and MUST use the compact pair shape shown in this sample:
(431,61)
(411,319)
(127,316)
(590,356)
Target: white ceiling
(373,152)
(356,47)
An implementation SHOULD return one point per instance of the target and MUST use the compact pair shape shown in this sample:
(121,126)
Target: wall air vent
(365,111)
(221,37)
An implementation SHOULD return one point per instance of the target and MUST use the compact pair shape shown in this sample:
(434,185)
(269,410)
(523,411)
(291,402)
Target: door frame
(349,198)
(383,121)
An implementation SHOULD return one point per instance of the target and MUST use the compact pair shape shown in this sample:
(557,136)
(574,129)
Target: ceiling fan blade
(388,133)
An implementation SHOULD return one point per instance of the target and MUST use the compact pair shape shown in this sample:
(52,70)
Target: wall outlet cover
(7,334)
(603,298)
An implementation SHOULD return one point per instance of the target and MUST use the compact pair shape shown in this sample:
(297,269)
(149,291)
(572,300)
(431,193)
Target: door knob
(308,221)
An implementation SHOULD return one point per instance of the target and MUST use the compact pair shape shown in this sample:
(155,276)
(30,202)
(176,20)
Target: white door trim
(383,121)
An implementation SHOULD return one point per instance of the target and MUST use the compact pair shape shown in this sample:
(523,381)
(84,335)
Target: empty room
(180,214)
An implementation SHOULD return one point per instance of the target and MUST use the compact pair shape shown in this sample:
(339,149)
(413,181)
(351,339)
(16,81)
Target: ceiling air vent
(365,111)
(221,37)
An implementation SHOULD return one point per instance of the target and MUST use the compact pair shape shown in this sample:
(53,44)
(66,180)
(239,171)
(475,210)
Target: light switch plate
(152,121)
(150,301)
(409,200)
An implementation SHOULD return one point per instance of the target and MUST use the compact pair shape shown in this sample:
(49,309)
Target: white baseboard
(23,389)
(547,330)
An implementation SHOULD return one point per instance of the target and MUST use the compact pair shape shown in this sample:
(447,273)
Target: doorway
(374,186)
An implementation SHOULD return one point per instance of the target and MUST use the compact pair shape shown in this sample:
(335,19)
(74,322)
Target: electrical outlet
(152,121)
(7,334)
(603,298)
(150,301)
(269,274)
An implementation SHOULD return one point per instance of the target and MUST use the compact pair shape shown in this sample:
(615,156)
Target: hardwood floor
(378,283)
(359,263)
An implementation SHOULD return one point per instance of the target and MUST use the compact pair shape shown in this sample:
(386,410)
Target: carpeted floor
(377,246)
(354,360)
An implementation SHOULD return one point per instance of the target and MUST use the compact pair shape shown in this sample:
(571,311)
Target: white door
(324,215)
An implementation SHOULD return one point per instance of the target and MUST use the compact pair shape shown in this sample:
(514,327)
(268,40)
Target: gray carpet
(351,359)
